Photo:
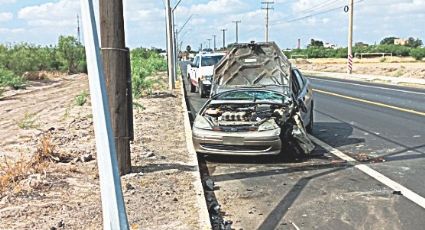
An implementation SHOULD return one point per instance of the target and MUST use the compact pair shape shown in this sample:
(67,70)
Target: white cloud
(7,1)
(5,16)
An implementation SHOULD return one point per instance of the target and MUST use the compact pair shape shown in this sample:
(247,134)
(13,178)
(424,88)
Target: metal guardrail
(357,55)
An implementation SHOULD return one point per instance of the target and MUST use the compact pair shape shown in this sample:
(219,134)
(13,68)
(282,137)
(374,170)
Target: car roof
(211,54)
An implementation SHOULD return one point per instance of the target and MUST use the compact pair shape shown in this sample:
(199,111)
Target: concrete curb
(204,217)
(364,77)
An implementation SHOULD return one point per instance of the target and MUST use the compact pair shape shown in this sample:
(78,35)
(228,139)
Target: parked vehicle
(259,105)
(200,72)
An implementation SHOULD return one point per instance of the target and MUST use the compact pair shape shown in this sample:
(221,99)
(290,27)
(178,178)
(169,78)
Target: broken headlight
(202,123)
(268,125)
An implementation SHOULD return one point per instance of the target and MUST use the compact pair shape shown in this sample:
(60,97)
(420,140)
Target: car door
(303,91)
(193,69)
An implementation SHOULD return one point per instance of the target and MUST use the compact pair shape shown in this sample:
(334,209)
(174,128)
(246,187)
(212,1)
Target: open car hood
(252,65)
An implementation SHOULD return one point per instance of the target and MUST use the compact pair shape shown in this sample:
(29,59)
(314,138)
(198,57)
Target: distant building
(401,41)
(329,45)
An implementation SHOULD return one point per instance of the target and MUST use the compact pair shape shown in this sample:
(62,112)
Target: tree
(71,53)
(388,41)
(315,43)
(361,44)
(414,43)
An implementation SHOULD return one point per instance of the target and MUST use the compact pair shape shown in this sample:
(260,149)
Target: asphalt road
(379,125)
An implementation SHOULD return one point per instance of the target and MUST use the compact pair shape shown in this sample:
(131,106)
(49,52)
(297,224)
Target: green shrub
(81,98)
(418,53)
(8,78)
(144,63)
(321,52)
(68,56)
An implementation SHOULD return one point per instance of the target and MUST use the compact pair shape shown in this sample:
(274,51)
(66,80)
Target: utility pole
(113,207)
(209,43)
(224,38)
(201,47)
(267,8)
(350,37)
(115,64)
(78,29)
(237,30)
(214,36)
(170,46)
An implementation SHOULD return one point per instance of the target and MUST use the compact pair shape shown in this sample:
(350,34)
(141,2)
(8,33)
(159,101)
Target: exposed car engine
(245,114)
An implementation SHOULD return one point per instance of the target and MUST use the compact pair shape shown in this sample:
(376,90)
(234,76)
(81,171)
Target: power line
(315,14)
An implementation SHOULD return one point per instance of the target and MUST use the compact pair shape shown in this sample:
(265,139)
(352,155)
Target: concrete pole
(174,34)
(224,38)
(237,30)
(209,43)
(170,51)
(215,47)
(350,37)
(267,8)
(115,56)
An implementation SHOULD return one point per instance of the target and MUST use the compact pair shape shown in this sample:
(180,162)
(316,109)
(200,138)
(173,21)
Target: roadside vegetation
(81,98)
(17,59)
(144,64)
(12,172)
(316,49)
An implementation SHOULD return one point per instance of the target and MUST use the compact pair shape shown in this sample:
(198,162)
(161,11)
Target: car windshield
(210,60)
(251,95)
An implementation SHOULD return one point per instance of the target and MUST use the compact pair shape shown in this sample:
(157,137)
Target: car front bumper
(237,143)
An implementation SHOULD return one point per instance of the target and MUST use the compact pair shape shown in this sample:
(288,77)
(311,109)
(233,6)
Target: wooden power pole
(116,67)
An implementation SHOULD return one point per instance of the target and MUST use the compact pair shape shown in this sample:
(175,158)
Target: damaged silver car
(258,106)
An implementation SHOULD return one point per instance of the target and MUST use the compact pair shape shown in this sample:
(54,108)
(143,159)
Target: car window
(299,78)
(210,60)
(196,61)
(295,84)
(250,95)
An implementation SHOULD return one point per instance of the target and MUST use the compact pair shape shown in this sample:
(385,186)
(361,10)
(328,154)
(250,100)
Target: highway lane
(323,192)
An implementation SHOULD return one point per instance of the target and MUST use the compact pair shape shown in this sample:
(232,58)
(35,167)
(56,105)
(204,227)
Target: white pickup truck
(200,72)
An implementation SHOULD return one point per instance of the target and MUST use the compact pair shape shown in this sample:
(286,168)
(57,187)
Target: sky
(42,21)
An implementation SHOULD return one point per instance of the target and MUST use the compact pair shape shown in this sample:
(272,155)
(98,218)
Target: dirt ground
(388,66)
(158,194)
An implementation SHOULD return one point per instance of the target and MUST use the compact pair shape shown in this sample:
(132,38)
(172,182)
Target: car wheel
(201,90)
(309,127)
(192,88)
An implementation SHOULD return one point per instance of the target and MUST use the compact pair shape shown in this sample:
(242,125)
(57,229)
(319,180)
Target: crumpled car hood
(260,64)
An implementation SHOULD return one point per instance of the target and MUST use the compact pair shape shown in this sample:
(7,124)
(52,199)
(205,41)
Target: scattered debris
(397,193)
(209,184)
(129,186)
(86,157)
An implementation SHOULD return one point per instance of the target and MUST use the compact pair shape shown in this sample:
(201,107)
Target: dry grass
(29,121)
(12,172)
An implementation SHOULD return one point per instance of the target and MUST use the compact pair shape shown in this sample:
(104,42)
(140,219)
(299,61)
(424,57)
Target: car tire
(309,127)
(201,90)
(192,88)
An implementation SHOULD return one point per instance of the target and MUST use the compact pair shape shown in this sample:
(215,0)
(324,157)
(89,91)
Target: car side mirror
(302,105)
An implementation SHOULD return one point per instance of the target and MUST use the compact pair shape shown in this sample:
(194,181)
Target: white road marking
(368,86)
(409,194)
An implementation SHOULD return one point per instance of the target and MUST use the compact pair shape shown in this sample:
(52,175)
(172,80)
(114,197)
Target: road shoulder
(402,81)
